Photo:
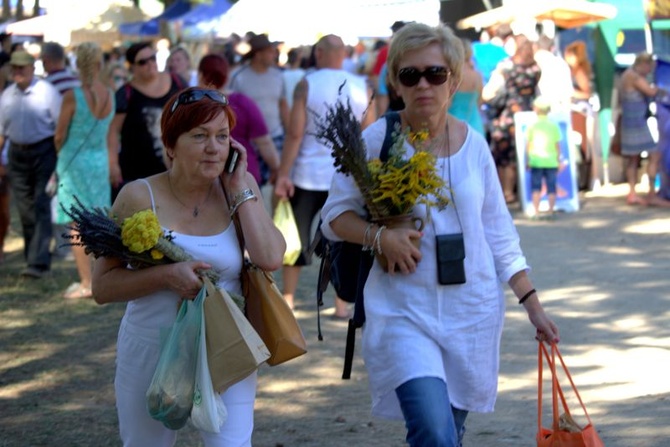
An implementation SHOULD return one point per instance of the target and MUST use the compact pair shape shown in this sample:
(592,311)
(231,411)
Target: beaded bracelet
(241,197)
(527,295)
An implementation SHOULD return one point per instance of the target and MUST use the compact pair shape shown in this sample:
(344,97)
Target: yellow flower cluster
(418,138)
(140,232)
(403,183)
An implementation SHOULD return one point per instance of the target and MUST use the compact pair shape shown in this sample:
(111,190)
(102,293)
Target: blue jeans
(549,175)
(430,419)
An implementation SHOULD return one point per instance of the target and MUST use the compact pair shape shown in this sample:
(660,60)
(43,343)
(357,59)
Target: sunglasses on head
(146,60)
(410,76)
(196,95)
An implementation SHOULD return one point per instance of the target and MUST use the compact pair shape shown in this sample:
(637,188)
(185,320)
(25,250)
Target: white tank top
(221,251)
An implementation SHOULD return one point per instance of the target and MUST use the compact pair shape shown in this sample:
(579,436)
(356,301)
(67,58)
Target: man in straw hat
(29,111)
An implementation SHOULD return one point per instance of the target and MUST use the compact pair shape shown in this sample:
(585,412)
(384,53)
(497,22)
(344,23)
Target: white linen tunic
(418,328)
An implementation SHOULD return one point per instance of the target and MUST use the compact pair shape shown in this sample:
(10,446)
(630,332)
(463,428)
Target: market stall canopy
(350,19)
(103,28)
(564,13)
(203,20)
(151,27)
(35,26)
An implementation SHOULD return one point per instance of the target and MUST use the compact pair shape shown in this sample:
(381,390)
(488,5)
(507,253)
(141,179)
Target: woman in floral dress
(520,76)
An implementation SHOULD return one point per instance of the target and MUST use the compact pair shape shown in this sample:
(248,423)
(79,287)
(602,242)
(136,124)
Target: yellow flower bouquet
(392,187)
(139,240)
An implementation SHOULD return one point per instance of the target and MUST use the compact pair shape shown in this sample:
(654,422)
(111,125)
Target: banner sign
(567,193)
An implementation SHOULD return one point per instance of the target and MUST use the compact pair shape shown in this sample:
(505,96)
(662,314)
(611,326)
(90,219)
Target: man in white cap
(29,110)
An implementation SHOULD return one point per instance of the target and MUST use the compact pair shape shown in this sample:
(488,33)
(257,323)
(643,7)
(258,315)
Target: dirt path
(602,274)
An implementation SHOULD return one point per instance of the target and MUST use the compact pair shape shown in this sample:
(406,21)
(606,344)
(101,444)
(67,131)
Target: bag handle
(209,285)
(557,391)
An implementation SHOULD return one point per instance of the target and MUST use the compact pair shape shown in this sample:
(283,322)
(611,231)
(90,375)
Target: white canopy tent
(564,13)
(299,22)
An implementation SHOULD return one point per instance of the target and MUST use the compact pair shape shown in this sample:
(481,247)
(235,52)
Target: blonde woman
(635,93)
(432,347)
(83,158)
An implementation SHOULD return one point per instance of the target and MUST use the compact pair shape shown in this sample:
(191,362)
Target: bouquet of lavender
(139,240)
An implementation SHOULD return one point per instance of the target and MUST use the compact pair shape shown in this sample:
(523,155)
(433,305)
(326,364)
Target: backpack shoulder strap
(365,263)
(128,91)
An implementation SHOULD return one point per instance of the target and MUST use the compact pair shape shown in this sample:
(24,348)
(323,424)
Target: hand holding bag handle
(558,437)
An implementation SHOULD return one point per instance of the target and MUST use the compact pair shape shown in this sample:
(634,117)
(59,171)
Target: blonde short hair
(416,36)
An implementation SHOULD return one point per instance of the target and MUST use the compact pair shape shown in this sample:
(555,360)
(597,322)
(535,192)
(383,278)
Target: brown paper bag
(234,349)
(270,315)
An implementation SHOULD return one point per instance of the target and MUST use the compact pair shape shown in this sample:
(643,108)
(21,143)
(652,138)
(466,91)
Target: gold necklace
(196,209)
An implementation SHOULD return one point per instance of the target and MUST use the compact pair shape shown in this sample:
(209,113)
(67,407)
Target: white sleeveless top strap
(151,194)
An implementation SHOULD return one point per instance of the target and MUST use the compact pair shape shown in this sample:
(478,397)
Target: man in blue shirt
(29,110)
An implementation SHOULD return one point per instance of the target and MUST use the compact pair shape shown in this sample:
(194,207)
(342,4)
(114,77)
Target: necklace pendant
(195,212)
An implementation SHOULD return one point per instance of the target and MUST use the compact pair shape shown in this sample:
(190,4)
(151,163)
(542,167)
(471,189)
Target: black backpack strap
(358,319)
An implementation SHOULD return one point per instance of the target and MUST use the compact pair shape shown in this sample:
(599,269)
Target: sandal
(77,291)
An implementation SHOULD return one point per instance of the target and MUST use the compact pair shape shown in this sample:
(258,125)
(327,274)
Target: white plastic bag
(208,413)
(285,221)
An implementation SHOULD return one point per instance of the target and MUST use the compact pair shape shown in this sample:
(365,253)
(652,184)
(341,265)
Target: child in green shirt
(543,154)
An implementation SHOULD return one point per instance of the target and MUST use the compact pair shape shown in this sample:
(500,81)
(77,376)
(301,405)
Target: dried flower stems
(341,130)
(100,235)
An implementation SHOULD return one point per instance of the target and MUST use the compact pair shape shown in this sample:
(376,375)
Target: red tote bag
(564,432)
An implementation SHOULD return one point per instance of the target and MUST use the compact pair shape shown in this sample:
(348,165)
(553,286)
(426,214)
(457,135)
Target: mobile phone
(231,163)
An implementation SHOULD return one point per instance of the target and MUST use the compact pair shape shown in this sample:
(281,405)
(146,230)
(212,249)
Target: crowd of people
(112,130)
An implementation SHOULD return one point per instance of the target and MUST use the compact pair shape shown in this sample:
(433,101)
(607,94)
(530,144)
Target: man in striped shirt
(57,73)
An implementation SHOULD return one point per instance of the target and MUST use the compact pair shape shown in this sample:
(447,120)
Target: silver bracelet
(241,197)
(366,235)
(378,239)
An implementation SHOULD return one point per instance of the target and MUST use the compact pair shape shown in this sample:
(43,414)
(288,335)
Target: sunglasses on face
(196,95)
(410,76)
(146,60)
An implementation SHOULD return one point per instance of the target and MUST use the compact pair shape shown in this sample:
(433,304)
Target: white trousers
(138,350)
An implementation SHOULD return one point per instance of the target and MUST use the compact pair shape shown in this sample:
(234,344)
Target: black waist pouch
(450,258)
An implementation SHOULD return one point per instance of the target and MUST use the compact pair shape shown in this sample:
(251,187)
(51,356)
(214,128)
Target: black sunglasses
(410,76)
(196,95)
(146,60)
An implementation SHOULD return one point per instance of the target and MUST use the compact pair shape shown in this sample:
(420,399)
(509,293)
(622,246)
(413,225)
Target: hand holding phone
(231,163)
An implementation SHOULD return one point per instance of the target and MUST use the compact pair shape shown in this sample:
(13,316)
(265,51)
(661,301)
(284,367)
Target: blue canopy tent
(206,12)
(203,19)
(152,26)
